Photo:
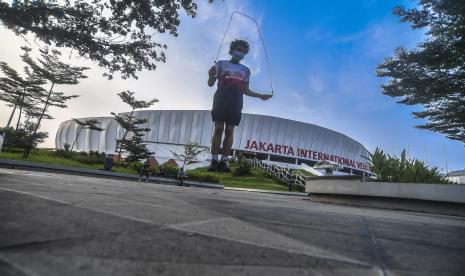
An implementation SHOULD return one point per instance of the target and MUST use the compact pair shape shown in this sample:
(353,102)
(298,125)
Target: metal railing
(288,176)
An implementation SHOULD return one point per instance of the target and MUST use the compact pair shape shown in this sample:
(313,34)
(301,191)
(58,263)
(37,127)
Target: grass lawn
(257,180)
(43,157)
(304,172)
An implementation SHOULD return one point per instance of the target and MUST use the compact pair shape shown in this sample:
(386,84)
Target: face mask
(237,55)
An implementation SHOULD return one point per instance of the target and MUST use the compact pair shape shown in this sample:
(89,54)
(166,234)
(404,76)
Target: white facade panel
(63,133)
(154,120)
(247,125)
(256,128)
(79,145)
(144,116)
(266,128)
(58,137)
(163,129)
(282,128)
(295,134)
(110,135)
(197,122)
(237,136)
(274,130)
(330,143)
(207,129)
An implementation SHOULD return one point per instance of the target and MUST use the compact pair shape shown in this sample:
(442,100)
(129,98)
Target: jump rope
(261,39)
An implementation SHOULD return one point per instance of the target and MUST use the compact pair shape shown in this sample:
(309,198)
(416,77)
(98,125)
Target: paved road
(52,224)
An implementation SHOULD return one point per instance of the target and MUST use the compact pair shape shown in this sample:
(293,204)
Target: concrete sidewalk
(56,224)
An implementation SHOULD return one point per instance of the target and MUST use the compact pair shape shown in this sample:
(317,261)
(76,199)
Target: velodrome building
(266,137)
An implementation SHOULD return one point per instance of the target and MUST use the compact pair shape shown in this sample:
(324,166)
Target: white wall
(435,192)
(457,179)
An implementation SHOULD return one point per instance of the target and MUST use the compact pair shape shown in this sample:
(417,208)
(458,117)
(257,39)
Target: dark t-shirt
(232,75)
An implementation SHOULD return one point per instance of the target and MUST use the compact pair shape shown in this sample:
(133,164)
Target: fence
(289,176)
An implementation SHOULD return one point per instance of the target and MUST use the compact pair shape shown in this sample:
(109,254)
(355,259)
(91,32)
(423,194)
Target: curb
(34,166)
(390,203)
(267,191)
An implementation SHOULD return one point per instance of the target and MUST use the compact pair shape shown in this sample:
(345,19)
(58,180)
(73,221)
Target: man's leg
(227,144)
(228,140)
(216,142)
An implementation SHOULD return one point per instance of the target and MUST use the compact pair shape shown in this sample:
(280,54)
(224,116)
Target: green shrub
(393,169)
(154,170)
(137,166)
(21,137)
(169,170)
(91,158)
(233,163)
(64,153)
(202,176)
(13,150)
(242,168)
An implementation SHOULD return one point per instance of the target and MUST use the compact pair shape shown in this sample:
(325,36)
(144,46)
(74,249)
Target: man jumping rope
(233,81)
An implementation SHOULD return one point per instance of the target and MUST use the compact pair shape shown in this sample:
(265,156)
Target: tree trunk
(31,140)
(11,116)
(77,136)
(122,139)
(9,122)
(19,118)
(20,111)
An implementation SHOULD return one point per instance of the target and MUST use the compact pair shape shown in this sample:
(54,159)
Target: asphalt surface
(52,224)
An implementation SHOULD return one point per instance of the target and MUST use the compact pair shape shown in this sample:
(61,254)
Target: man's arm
(251,93)
(212,76)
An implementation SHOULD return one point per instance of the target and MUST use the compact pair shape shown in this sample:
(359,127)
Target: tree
(87,124)
(130,125)
(191,150)
(433,74)
(18,91)
(20,137)
(115,34)
(56,72)
(135,146)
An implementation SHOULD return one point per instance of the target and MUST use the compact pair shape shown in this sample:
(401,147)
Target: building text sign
(305,154)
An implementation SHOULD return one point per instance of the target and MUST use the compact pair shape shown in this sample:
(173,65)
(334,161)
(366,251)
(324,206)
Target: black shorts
(227,106)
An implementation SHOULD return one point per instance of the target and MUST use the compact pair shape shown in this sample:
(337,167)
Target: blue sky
(323,57)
